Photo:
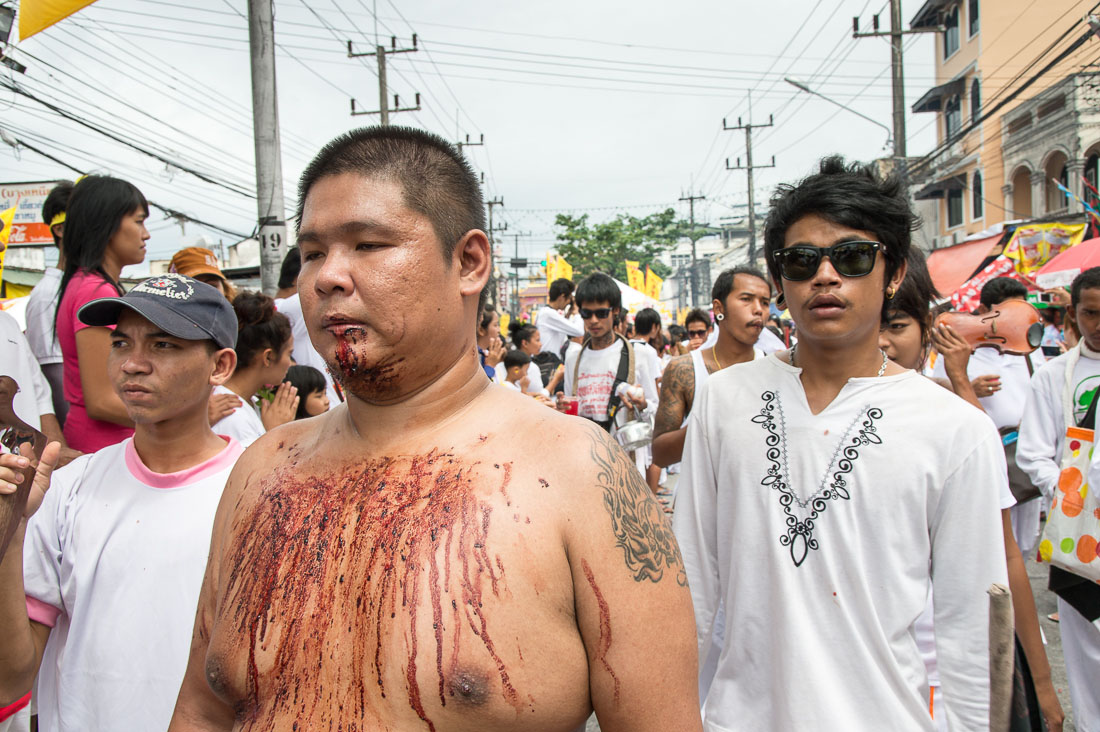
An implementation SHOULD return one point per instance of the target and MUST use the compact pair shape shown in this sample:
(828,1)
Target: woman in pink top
(104,232)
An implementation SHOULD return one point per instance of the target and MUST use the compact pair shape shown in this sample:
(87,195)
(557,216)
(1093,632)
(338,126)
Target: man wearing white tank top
(740,302)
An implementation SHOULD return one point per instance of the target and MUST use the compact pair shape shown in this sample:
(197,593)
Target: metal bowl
(634,434)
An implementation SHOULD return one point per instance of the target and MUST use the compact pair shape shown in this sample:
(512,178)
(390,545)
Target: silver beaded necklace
(881,369)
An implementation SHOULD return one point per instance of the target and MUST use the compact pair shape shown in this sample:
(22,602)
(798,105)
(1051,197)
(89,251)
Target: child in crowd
(516,363)
(311,386)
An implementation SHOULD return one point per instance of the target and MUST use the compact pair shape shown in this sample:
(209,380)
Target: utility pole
(749,168)
(490,204)
(897,76)
(383,91)
(460,144)
(691,198)
(517,264)
(265,129)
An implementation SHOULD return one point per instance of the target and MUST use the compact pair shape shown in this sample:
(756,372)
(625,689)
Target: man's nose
(334,273)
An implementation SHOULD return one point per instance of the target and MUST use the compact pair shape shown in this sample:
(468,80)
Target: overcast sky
(593,106)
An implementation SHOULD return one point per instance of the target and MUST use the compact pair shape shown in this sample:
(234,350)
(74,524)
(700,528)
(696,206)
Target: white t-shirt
(822,534)
(114,560)
(41,307)
(1006,406)
(1043,427)
(34,397)
(244,424)
(594,379)
(304,353)
(555,329)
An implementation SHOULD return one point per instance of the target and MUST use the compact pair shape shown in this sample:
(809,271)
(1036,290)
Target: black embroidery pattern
(803,513)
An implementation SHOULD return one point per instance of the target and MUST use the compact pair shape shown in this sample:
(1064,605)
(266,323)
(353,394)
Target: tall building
(1016,108)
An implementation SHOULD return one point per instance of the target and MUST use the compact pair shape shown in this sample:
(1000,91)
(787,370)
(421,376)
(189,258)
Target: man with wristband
(599,374)
(1075,374)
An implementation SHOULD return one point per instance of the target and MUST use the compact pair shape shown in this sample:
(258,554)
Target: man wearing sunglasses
(698,326)
(599,373)
(826,490)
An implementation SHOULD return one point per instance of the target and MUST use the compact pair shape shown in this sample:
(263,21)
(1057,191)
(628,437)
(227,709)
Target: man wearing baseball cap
(99,587)
(201,264)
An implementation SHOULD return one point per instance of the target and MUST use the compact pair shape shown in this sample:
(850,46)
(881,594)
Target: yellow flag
(634,276)
(6,219)
(653,284)
(38,15)
(564,269)
(505,319)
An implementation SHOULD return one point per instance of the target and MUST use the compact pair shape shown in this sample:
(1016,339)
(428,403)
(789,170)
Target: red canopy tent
(950,268)
(1060,271)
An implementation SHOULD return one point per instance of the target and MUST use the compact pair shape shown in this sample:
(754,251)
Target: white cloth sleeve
(1041,429)
(552,319)
(570,365)
(43,546)
(695,524)
(43,395)
(968,556)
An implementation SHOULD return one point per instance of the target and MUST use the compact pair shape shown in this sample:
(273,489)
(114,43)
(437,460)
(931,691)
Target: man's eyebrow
(118,333)
(348,228)
(838,240)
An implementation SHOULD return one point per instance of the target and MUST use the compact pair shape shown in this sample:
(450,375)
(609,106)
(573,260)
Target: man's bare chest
(399,586)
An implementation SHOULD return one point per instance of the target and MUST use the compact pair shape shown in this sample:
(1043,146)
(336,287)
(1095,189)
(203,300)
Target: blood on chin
(362,376)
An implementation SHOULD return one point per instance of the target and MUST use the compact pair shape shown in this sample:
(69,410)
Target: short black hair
(854,196)
(1087,280)
(697,315)
(516,357)
(646,320)
(57,202)
(677,333)
(559,287)
(307,380)
(292,265)
(723,286)
(999,289)
(596,288)
(436,180)
(915,295)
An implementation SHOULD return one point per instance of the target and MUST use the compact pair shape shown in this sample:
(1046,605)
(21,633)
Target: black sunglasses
(849,258)
(600,313)
(697,334)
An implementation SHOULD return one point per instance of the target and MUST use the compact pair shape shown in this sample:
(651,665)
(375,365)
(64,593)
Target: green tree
(605,247)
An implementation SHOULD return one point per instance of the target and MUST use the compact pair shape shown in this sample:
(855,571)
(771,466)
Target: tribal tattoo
(677,394)
(640,527)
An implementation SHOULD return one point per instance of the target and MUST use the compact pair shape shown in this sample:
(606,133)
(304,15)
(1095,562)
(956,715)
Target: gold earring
(890,293)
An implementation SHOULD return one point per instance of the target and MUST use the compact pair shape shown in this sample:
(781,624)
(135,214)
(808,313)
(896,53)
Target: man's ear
(225,363)
(474,258)
(897,278)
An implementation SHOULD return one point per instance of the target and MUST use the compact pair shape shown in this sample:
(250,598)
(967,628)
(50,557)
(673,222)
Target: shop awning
(939,188)
(929,14)
(932,100)
(953,266)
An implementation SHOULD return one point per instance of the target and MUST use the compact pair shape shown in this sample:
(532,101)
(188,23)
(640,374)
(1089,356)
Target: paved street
(1045,603)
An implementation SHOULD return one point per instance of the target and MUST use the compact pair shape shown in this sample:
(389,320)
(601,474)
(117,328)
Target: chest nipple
(468,688)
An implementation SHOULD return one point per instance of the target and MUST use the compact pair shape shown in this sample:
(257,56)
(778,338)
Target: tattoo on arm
(640,527)
(677,392)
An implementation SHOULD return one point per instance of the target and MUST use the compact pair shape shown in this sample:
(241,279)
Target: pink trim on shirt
(216,464)
(9,711)
(41,612)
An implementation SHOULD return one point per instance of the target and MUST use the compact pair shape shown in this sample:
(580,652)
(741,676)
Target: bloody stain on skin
(543,483)
(358,376)
(605,626)
(338,561)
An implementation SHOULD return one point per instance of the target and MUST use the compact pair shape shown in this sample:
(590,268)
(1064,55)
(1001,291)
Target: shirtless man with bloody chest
(438,553)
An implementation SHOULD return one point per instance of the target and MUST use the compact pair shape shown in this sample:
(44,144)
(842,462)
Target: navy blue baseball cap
(180,306)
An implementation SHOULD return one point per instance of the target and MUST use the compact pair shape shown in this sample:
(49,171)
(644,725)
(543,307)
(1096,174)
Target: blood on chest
(364,593)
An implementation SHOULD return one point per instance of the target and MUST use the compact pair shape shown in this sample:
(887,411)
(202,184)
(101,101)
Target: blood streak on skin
(355,374)
(605,626)
(327,559)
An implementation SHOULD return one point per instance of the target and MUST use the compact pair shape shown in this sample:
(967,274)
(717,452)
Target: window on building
(952,117)
(973,18)
(951,32)
(954,209)
(1092,176)
(975,100)
(976,208)
(1063,178)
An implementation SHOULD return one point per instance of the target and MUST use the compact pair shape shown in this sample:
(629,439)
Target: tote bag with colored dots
(1073,526)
